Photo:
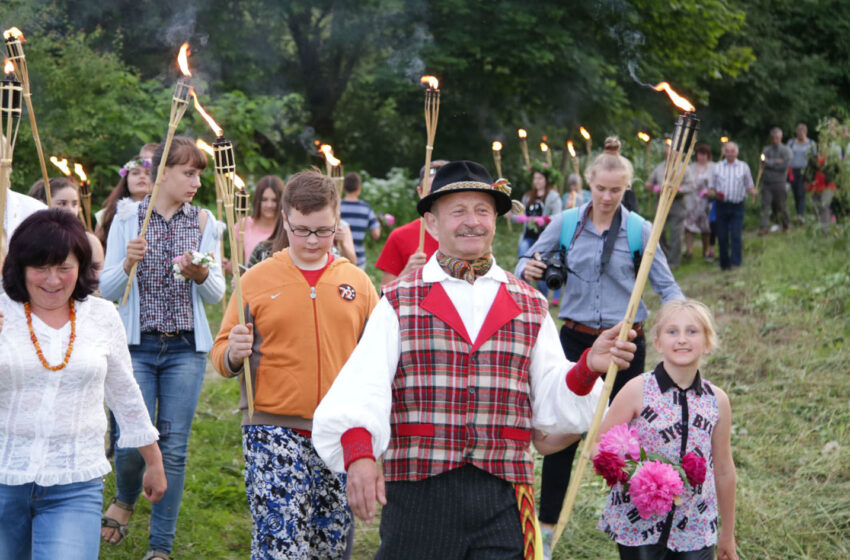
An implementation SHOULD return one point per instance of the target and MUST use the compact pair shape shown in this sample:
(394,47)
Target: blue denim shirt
(594,298)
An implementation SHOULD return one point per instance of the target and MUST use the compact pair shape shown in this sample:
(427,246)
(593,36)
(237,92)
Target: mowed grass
(784,333)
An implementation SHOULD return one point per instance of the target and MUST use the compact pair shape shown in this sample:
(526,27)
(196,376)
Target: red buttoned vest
(457,401)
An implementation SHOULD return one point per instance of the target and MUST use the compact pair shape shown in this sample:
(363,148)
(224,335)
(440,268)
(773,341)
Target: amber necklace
(73,316)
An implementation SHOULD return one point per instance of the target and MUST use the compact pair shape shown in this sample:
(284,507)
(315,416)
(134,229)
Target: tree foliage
(280,75)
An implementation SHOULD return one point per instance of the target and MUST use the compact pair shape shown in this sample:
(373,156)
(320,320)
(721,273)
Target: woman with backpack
(600,272)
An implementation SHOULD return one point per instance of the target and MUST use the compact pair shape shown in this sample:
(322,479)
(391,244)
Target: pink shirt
(253,235)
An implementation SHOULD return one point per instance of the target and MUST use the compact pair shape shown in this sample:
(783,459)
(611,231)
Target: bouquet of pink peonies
(206,260)
(653,483)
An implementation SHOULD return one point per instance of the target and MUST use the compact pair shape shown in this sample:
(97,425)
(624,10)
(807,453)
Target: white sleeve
(555,408)
(361,395)
(122,392)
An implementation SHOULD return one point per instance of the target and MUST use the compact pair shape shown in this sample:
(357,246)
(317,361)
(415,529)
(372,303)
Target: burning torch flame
(521,133)
(8,67)
(584,133)
(432,81)
(237,180)
(204,147)
(332,160)
(62,164)
(724,139)
(497,146)
(183,59)
(15,33)
(571,148)
(81,173)
(762,158)
(213,125)
(669,141)
(326,149)
(643,136)
(677,99)
(544,147)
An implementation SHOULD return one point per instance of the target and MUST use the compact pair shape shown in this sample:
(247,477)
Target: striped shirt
(731,180)
(361,219)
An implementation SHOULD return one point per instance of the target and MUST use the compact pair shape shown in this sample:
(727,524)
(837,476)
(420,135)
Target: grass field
(783,360)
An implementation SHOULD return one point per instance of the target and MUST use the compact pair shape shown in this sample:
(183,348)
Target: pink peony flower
(656,189)
(622,440)
(653,488)
(521,219)
(694,467)
(610,467)
(390,219)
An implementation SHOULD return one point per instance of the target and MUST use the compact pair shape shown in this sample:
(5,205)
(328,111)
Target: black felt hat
(460,176)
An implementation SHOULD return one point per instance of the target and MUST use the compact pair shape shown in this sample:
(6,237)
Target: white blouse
(52,423)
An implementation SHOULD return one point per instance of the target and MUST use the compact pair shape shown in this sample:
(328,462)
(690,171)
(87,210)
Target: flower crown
(553,176)
(653,482)
(134,163)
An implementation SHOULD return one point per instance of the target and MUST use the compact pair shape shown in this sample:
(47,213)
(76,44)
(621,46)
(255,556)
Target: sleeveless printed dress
(672,422)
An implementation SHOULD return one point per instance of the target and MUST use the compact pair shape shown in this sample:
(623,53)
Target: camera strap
(610,239)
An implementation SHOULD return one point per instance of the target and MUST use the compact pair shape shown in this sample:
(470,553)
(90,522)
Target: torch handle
(237,292)
(221,245)
(673,179)
(5,172)
(172,128)
(37,140)
(87,210)
(426,188)
(523,146)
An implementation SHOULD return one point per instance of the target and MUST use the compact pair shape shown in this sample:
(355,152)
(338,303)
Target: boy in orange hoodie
(305,311)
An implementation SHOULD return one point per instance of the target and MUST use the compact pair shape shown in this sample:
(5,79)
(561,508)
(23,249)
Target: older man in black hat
(459,363)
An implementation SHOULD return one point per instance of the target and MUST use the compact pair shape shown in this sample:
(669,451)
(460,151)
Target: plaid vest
(456,401)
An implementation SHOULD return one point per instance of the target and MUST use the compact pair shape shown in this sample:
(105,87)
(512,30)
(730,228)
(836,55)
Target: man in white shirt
(730,182)
(459,363)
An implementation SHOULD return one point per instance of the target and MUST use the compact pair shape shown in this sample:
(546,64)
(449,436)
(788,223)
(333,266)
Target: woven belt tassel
(532,542)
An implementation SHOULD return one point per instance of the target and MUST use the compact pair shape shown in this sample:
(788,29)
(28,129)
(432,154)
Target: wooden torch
(572,150)
(587,140)
(647,141)
(204,147)
(11,101)
(497,157)
(432,114)
(522,134)
(684,139)
(85,194)
(13,38)
(544,147)
(179,104)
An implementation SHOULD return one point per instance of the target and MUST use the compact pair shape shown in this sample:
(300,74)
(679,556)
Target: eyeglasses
(305,232)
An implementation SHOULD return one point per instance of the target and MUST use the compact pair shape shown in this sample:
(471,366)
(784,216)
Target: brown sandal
(112,523)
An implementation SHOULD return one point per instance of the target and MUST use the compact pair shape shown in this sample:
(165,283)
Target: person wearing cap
(401,253)
(458,365)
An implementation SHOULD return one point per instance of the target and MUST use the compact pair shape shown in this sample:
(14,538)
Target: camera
(555,274)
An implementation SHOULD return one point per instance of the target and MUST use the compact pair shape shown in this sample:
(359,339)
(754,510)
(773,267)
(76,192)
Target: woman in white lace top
(61,352)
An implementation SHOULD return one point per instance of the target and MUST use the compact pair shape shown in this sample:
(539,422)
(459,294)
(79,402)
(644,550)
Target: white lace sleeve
(123,395)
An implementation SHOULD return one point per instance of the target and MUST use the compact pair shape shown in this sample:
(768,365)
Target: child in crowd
(65,195)
(658,404)
(305,310)
(359,216)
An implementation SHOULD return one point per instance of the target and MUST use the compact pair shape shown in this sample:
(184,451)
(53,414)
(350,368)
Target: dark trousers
(730,228)
(661,552)
(798,189)
(558,466)
(462,514)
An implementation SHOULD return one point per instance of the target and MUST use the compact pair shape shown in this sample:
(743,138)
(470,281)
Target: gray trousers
(773,198)
(462,514)
(674,229)
(821,201)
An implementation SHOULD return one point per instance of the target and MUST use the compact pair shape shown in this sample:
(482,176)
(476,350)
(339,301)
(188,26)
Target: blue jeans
(525,244)
(170,374)
(47,522)
(730,227)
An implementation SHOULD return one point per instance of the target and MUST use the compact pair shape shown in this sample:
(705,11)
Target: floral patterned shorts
(299,508)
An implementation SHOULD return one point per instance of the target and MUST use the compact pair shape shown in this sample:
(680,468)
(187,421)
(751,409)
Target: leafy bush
(396,195)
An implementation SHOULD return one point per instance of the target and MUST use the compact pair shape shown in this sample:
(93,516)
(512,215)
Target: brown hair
(56,184)
(272,182)
(310,191)
(183,152)
(351,182)
(703,149)
(110,205)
